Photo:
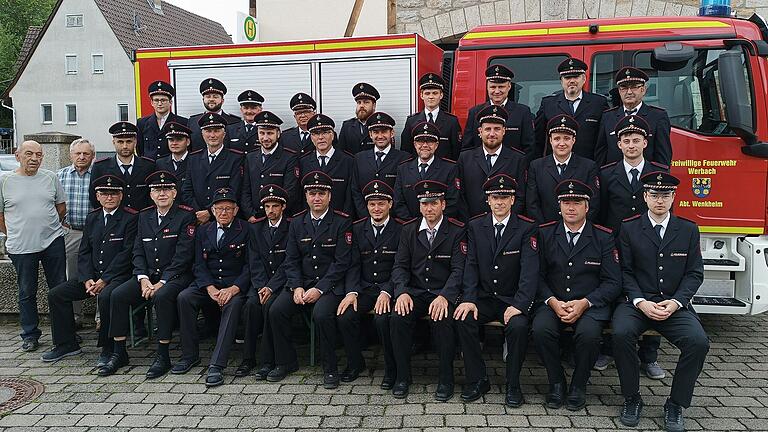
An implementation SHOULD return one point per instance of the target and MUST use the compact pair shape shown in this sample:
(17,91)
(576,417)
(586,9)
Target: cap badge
(497,69)
(495,109)
(317,177)
(627,72)
(378,116)
(631,119)
(159,85)
(501,180)
(210,117)
(375,185)
(271,189)
(210,81)
(426,186)
(361,86)
(109,180)
(562,120)
(659,177)
(162,175)
(570,62)
(570,185)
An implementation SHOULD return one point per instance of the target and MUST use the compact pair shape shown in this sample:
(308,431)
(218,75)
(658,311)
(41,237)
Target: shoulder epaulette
(456,222)
(546,224)
(289,150)
(130,210)
(660,165)
(517,150)
(448,160)
(612,109)
(478,216)
(103,159)
(551,95)
(147,159)
(525,218)
(400,221)
(685,219)
(186,207)
(602,228)
(307,154)
(409,221)
(631,218)
(299,213)
(348,153)
(95,210)
(408,160)
(609,164)
(235,151)
(149,208)
(447,113)
(196,151)
(655,107)
(341,213)
(259,219)
(359,220)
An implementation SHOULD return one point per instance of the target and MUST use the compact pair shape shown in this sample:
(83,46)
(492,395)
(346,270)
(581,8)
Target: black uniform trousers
(190,301)
(324,317)
(350,327)
(401,328)
(682,329)
(383,330)
(587,333)
(60,300)
(128,295)
(257,322)
(515,334)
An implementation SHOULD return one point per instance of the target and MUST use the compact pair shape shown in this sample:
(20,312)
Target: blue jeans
(54,260)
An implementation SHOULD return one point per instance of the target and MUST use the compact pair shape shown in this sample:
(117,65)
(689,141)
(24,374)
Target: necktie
(561,168)
(489,161)
(126,168)
(658,228)
(222,233)
(430,235)
(316,222)
(635,173)
(264,158)
(379,157)
(159,220)
(106,219)
(572,103)
(423,170)
(304,137)
(377,230)
(629,112)
(499,226)
(572,239)
(272,231)
(322,161)
(430,118)
(212,158)
(248,128)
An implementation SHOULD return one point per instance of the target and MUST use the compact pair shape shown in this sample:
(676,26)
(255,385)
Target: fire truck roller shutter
(393,78)
(276,82)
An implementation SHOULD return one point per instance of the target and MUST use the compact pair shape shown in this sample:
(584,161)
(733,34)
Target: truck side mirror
(672,56)
(735,92)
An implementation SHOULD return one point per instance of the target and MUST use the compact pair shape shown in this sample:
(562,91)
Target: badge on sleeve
(463,247)
(616,255)
(191,230)
(348,237)
(296,172)
(458,183)
(597,182)
(534,243)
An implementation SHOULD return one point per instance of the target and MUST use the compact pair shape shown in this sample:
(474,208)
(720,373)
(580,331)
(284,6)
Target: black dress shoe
(331,380)
(30,345)
(351,374)
(400,390)
(387,382)
(475,391)
(577,399)
(280,372)
(184,366)
(630,411)
(262,373)
(115,362)
(514,398)
(160,367)
(556,396)
(103,359)
(214,377)
(444,392)
(673,417)
(245,367)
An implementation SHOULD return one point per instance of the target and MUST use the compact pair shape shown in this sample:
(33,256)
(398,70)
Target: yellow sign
(249,28)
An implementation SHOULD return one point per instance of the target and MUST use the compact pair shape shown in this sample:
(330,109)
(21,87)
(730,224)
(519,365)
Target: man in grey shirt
(32,206)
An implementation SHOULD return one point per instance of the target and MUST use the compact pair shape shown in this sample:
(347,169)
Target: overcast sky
(223,11)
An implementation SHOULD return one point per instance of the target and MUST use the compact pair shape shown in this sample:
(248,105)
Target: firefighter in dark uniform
(587,108)
(368,285)
(213,92)
(269,237)
(318,256)
(631,83)
(426,280)
(271,163)
(662,269)
(132,169)
(520,133)
(211,169)
(354,136)
(548,171)
(477,165)
(297,138)
(621,195)
(151,141)
(431,90)
(426,166)
(101,266)
(337,164)
(500,280)
(243,135)
(379,163)
(178,142)
(580,278)
(162,264)
(221,278)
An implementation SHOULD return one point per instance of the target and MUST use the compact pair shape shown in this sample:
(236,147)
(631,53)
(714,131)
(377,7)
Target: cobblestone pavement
(732,394)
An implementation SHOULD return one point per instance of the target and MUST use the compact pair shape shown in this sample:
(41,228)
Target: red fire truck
(709,73)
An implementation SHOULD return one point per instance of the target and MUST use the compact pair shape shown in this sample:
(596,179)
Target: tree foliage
(15,17)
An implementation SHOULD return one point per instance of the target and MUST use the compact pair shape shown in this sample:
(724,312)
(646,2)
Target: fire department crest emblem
(702,186)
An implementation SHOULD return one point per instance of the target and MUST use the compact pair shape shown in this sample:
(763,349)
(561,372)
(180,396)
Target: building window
(75,20)
(98,63)
(71,114)
(71,60)
(122,112)
(46,113)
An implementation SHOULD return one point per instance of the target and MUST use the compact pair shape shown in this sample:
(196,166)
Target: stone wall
(447,20)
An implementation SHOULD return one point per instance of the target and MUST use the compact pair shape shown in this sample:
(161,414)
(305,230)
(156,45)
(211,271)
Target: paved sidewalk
(732,394)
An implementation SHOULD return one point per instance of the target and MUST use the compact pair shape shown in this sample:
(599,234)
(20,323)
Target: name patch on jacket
(678,254)
(595,263)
